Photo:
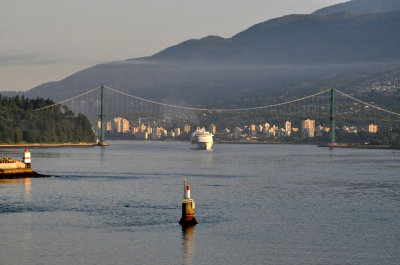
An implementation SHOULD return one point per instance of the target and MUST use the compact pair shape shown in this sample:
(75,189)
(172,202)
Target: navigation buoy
(188,206)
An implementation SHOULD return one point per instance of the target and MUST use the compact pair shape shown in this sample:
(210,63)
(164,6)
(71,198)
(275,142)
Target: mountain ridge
(266,59)
(362,7)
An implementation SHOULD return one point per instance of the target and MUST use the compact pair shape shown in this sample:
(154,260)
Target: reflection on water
(25,181)
(26,240)
(188,244)
(12,181)
(27,188)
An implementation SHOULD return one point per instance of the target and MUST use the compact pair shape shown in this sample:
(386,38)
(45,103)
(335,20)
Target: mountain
(362,7)
(332,38)
(268,59)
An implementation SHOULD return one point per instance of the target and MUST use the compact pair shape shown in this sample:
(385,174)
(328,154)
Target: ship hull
(204,146)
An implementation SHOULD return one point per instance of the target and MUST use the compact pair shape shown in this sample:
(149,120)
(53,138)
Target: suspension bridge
(326,106)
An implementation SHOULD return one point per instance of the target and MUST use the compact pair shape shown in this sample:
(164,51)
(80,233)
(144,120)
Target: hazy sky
(47,40)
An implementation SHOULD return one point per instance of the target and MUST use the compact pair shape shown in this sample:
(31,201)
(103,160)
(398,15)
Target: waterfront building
(109,126)
(321,130)
(213,129)
(186,128)
(272,131)
(117,124)
(125,125)
(288,128)
(237,132)
(156,133)
(308,128)
(149,129)
(142,128)
(135,130)
(372,128)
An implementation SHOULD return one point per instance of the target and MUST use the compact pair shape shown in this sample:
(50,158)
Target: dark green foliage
(18,123)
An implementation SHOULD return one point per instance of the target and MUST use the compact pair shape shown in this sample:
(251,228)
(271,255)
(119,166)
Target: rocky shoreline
(20,173)
(47,145)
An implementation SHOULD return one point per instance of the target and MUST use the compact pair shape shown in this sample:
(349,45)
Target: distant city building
(186,128)
(213,129)
(308,128)
(156,133)
(288,128)
(142,128)
(237,132)
(319,130)
(117,124)
(273,131)
(281,132)
(372,128)
(135,130)
(125,125)
(259,128)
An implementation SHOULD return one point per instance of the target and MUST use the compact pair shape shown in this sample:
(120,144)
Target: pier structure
(12,169)
(188,207)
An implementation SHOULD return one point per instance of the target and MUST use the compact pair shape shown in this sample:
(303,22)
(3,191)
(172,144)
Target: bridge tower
(332,118)
(102,140)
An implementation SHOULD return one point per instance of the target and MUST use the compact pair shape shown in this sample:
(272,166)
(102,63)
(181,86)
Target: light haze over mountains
(269,58)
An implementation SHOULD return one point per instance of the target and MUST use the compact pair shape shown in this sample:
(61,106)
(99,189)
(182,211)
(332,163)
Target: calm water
(255,204)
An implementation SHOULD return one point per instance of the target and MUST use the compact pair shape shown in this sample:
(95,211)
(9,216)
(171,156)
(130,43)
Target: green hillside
(19,124)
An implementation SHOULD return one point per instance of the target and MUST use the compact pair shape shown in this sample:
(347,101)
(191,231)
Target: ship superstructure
(202,139)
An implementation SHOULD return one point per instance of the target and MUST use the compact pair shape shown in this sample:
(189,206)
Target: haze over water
(255,204)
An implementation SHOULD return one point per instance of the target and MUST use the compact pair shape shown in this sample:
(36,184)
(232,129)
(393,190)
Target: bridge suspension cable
(61,102)
(220,109)
(367,104)
(215,110)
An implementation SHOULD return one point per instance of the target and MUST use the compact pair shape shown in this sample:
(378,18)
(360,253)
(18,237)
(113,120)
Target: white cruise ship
(202,138)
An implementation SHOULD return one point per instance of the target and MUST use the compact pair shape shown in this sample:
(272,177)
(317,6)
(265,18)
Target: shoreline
(360,146)
(337,145)
(20,173)
(47,145)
